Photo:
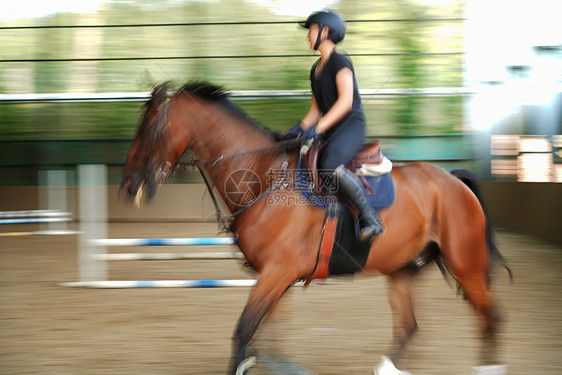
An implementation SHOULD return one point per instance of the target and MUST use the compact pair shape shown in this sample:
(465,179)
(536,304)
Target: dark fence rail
(186,24)
(37,153)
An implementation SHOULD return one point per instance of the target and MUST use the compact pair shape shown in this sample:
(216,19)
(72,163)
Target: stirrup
(368,232)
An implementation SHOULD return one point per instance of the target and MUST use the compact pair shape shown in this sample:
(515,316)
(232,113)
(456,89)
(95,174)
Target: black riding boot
(352,188)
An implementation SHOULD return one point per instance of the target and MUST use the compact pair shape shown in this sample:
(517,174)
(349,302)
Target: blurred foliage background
(394,44)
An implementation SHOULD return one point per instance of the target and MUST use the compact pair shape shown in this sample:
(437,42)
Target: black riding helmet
(333,21)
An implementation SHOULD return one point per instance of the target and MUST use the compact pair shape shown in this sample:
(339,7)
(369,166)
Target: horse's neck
(217,131)
(229,146)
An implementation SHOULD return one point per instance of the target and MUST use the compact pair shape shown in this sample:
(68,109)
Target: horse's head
(198,116)
(153,151)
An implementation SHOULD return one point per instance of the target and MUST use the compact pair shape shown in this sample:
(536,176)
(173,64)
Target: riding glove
(308,134)
(292,133)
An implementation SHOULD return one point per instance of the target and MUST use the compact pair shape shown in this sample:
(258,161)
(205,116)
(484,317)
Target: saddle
(350,256)
(370,155)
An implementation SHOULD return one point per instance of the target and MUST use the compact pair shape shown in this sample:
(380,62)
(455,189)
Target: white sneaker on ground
(386,367)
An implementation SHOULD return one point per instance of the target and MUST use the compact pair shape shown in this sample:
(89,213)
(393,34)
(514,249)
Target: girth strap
(326,246)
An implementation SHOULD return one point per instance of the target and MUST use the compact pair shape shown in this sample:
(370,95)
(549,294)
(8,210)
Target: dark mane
(218,94)
(205,90)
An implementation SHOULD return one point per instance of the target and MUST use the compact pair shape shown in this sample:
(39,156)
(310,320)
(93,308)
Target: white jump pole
(33,213)
(52,216)
(209,255)
(93,242)
(93,222)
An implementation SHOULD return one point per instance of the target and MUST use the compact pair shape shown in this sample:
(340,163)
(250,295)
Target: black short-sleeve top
(325,90)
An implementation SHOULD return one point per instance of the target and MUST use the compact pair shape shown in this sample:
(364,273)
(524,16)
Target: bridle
(161,136)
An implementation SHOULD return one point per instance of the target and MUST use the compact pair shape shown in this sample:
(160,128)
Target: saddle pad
(384,191)
(382,186)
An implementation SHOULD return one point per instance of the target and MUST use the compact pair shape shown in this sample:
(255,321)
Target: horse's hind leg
(271,286)
(476,288)
(402,309)
(468,260)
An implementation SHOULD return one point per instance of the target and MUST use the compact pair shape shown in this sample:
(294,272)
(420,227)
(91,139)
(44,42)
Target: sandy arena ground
(330,329)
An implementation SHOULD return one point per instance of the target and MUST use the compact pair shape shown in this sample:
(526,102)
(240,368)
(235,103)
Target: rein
(285,145)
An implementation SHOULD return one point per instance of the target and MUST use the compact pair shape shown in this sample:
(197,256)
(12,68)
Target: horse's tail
(470,180)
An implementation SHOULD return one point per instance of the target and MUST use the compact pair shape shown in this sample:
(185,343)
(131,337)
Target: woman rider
(336,113)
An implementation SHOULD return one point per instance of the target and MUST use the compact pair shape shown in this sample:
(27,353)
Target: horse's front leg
(404,320)
(269,289)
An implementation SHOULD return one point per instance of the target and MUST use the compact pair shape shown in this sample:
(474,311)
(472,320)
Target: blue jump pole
(164,241)
(111,284)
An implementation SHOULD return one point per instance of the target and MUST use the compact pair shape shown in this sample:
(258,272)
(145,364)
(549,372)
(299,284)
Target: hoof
(245,365)
(490,370)
(386,367)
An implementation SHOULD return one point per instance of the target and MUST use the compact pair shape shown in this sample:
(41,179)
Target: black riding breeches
(341,145)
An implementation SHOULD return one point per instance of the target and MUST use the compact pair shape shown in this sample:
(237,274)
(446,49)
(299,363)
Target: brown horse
(435,215)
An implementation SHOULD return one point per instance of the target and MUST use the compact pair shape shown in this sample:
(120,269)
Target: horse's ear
(146,81)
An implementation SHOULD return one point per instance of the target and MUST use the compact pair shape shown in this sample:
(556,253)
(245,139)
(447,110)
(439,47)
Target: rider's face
(312,35)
